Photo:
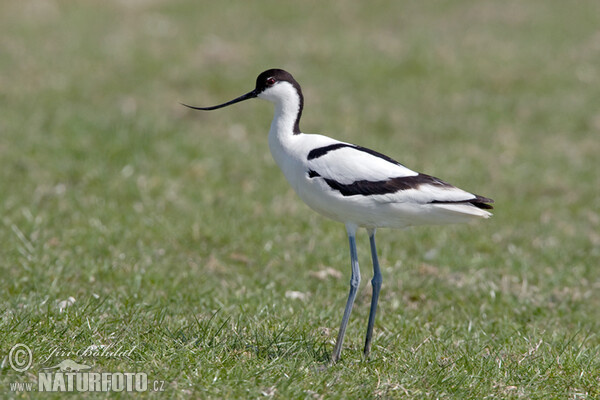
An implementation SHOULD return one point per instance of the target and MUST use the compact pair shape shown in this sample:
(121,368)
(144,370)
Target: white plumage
(346,165)
(354,185)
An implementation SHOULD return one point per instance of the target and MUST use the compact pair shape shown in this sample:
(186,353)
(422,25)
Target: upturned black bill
(249,95)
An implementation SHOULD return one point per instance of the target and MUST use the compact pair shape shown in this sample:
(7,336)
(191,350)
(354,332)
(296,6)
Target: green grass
(178,236)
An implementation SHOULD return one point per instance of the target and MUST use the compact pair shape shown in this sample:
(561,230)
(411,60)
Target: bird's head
(275,85)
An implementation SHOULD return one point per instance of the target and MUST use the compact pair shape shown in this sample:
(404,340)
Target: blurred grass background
(177,235)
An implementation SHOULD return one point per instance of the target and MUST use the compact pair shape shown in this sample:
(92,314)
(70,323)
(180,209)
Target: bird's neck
(284,130)
(286,120)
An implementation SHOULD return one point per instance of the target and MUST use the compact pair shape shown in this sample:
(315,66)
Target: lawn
(129,222)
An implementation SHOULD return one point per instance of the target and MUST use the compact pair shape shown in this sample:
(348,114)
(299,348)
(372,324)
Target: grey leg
(376,282)
(354,282)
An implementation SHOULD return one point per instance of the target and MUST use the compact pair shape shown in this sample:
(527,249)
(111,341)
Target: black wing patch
(393,185)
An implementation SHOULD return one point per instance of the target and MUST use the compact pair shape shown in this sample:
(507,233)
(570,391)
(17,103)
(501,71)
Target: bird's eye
(271,81)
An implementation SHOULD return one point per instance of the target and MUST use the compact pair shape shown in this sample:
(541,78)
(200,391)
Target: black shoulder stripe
(321,151)
(393,185)
(377,154)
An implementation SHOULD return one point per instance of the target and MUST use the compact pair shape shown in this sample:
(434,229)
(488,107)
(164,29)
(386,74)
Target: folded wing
(357,171)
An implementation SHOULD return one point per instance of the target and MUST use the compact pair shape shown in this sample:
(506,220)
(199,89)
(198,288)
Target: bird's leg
(354,282)
(376,282)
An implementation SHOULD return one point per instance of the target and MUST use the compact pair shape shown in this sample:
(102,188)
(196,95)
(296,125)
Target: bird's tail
(476,207)
(466,209)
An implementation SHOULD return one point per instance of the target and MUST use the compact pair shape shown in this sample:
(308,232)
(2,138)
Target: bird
(354,185)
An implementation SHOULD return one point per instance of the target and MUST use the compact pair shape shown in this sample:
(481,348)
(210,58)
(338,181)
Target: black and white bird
(354,185)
